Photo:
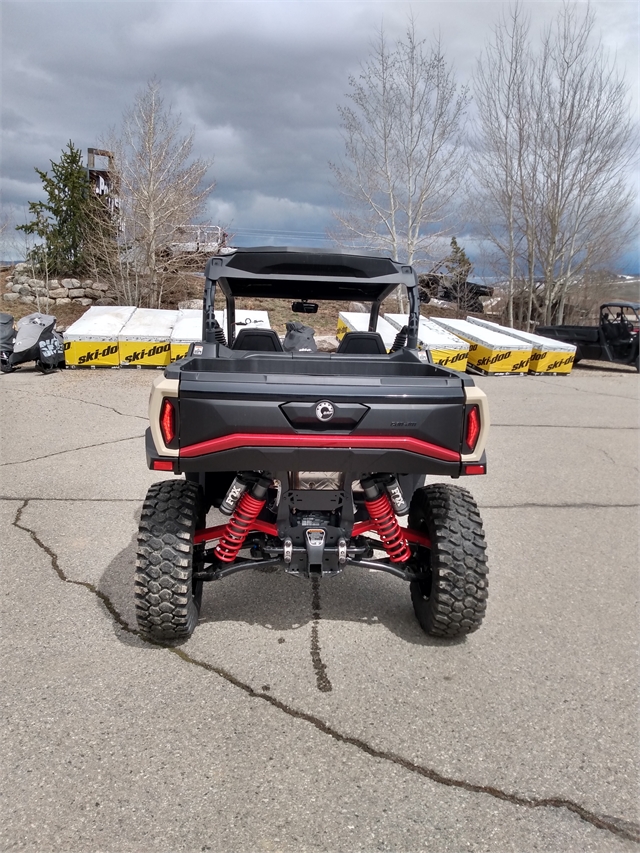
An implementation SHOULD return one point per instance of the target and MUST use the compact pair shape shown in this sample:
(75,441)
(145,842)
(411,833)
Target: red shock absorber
(385,522)
(240,523)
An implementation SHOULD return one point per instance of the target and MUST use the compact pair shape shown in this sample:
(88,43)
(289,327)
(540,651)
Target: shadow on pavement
(279,602)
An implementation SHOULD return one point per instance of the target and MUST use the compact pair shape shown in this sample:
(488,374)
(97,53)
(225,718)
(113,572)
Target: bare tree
(404,157)
(587,144)
(157,192)
(501,139)
(554,144)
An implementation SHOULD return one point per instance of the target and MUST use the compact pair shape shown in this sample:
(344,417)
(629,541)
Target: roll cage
(312,274)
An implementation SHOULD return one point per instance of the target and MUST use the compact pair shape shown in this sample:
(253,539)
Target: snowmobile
(7,339)
(37,340)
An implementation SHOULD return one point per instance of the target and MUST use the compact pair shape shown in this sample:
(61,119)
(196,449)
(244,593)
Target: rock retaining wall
(21,286)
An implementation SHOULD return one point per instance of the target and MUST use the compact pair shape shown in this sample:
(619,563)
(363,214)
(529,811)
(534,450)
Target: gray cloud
(259,80)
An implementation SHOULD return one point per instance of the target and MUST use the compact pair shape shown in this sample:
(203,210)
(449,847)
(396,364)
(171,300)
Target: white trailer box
(188,330)
(145,340)
(490,352)
(356,321)
(548,356)
(445,349)
(92,341)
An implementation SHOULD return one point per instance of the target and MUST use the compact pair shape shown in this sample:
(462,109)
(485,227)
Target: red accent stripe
(418,538)
(361,527)
(373,442)
(208,534)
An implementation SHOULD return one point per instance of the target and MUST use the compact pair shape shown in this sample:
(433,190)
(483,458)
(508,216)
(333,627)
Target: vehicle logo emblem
(324,410)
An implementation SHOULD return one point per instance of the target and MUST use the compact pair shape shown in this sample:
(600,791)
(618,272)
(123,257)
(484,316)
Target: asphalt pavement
(303,719)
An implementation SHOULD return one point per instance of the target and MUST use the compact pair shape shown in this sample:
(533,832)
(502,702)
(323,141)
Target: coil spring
(388,529)
(237,528)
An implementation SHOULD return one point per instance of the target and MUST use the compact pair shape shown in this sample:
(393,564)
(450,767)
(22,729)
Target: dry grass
(325,322)
(64,314)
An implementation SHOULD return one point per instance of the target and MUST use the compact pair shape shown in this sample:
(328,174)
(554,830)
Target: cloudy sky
(258,80)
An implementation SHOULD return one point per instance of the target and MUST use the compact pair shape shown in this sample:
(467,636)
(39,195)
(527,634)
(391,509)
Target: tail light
(473,428)
(167,421)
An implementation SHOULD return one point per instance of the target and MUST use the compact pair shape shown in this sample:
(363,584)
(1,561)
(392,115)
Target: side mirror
(305,307)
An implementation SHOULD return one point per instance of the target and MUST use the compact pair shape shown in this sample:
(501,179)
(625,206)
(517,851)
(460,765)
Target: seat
(362,343)
(257,340)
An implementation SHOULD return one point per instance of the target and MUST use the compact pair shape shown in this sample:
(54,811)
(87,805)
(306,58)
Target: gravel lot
(521,737)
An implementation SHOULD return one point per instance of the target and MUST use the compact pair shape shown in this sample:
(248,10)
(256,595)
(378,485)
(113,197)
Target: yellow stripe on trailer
(456,360)
(548,356)
(342,329)
(545,362)
(92,341)
(178,350)
(91,353)
(145,340)
(490,352)
(487,360)
(145,353)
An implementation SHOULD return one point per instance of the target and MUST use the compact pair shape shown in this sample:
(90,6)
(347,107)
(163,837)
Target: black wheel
(167,597)
(452,599)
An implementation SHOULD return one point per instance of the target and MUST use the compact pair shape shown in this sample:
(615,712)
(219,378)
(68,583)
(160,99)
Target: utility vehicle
(311,458)
(614,339)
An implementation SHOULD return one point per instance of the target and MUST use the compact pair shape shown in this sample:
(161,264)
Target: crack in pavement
(319,667)
(621,827)
(559,506)
(71,450)
(79,400)
(481,505)
(73,500)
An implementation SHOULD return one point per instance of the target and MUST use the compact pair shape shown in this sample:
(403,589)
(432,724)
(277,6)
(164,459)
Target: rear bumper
(383,454)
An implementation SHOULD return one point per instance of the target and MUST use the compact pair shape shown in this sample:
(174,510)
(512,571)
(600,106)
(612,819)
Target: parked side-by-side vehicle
(614,339)
(312,459)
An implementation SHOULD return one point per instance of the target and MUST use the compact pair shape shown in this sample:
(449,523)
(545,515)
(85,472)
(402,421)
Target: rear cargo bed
(255,410)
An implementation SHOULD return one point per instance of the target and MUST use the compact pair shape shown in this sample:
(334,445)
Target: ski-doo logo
(97,353)
(140,355)
(561,362)
(493,359)
(324,410)
(538,356)
(452,359)
(520,365)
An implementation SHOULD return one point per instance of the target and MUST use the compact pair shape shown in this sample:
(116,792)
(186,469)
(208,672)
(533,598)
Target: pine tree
(458,269)
(60,221)
(457,265)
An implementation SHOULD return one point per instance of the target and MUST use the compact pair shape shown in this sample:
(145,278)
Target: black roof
(624,303)
(301,273)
